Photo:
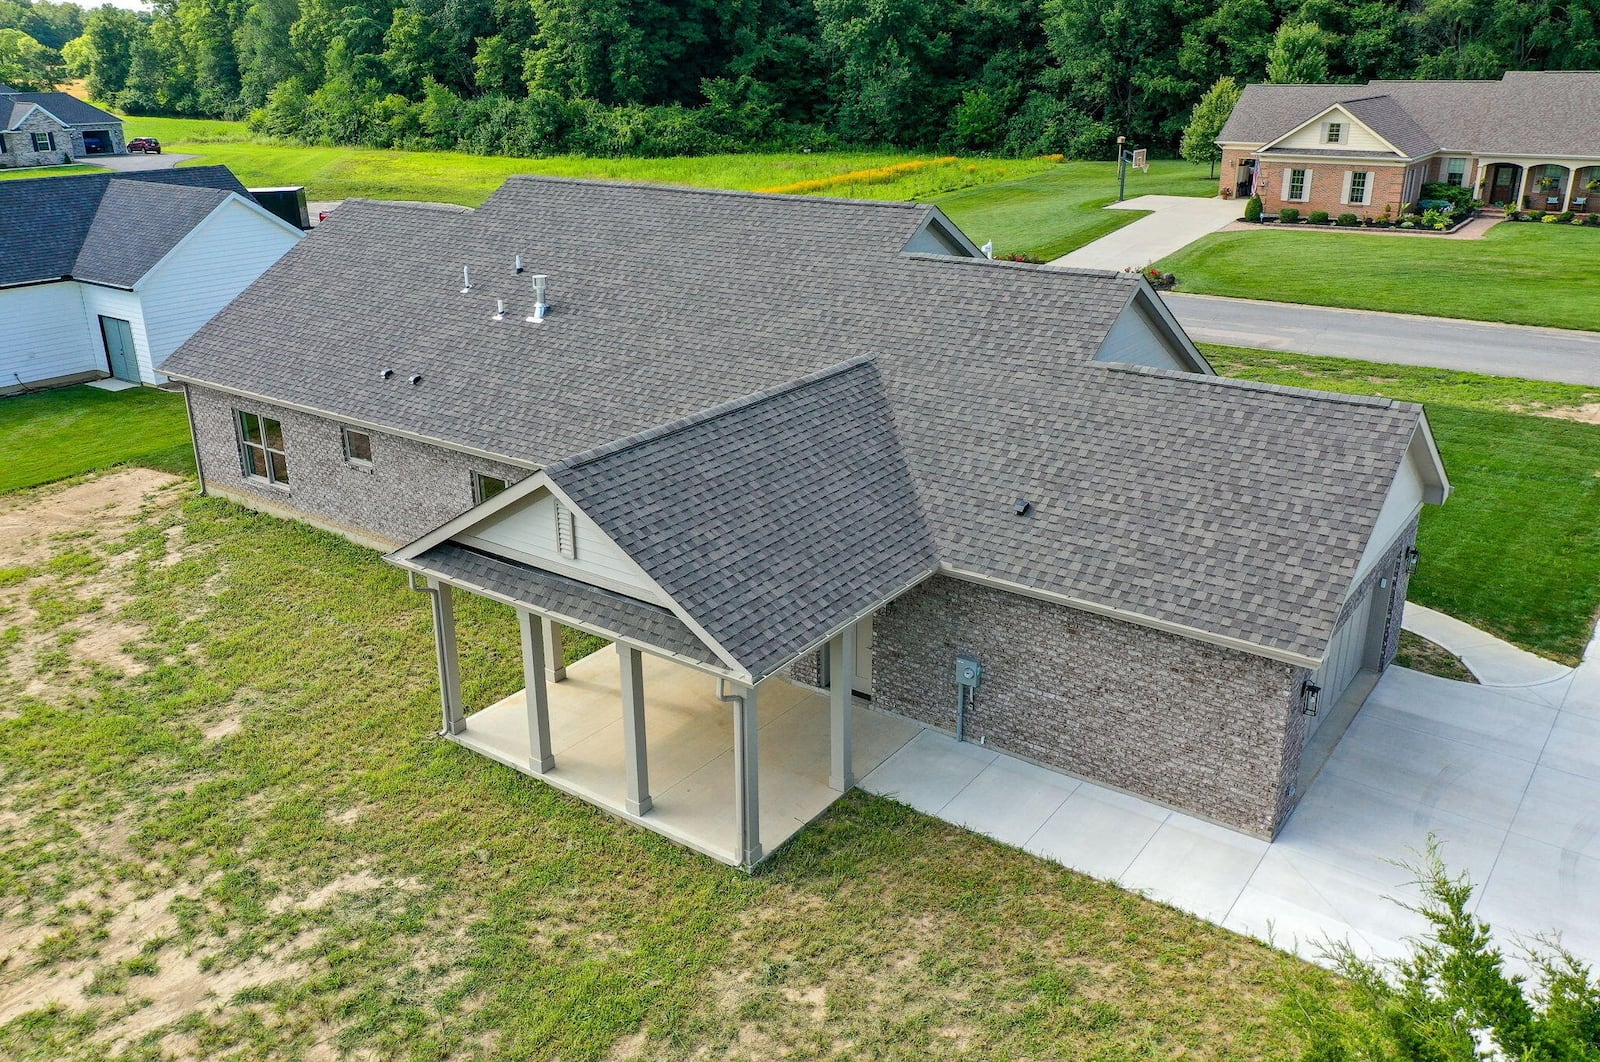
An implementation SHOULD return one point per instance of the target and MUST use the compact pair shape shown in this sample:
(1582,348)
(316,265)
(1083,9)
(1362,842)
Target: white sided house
(106,275)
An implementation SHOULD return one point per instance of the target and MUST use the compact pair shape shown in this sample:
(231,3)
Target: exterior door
(118,336)
(861,682)
(1347,655)
(1504,187)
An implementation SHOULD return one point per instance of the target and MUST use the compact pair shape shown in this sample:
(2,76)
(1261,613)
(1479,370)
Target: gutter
(194,440)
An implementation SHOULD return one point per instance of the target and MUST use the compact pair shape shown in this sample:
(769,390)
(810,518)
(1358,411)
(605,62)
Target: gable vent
(566,532)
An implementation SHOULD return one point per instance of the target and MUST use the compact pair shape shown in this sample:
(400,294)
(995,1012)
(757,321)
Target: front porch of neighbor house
(688,744)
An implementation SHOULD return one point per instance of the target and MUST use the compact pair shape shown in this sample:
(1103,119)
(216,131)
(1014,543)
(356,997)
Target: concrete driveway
(1507,778)
(1175,221)
(126,163)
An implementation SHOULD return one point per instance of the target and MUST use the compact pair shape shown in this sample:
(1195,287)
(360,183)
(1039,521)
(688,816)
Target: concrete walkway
(1507,779)
(1175,221)
(1492,661)
(1557,354)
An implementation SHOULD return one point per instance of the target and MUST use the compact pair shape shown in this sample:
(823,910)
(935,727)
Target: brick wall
(411,488)
(19,143)
(1327,185)
(1209,730)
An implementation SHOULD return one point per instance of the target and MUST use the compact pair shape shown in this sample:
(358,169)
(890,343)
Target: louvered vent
(566,532)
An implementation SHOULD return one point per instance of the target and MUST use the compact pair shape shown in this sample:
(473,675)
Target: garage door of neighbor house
(1347,655)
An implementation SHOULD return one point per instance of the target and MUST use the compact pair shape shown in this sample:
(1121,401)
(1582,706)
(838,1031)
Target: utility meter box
(968,671)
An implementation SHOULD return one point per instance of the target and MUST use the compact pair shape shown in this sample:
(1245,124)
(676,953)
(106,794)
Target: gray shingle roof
(106,228)
(1549,112)
(1386,117)
(1231,509)
(69,109)
(774,521)
(577,602)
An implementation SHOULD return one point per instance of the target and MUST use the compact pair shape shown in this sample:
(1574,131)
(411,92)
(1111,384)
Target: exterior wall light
(1309,692)
(1412,557)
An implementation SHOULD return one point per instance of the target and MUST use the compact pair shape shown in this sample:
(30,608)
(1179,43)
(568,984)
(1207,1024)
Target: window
(1455,172)
(1297,186)
(485,487)
(44,141)
(261,449)
(1335,131)
(1358,187)
(357,447)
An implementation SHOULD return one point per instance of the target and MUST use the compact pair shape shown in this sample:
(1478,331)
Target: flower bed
(1545,217)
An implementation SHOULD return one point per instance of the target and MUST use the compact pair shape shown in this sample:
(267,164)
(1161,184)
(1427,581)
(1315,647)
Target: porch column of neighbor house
(635,757)
(1572,182)
(746,779)
(555,655)
(841,669)
(444,644)
(1522,188)
(537,696)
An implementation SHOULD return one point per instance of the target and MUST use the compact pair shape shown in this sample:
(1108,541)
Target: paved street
(1475,346)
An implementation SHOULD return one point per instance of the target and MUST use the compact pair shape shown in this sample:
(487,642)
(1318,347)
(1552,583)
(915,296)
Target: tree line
(608,77)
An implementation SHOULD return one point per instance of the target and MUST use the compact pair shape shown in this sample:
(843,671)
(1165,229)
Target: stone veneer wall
(411,488)
(1195,726)
(19,143)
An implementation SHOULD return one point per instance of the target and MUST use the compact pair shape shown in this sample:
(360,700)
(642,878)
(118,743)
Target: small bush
(1288,215)
(1319,217)
(1534,215)
(1565,215)
(1455,194)
(1252,209)
(1349,220)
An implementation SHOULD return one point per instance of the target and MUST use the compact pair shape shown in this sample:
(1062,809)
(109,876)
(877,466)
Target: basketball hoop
(1141,160)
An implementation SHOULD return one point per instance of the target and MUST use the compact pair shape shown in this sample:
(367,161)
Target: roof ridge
(1338,398)
(721,409)
(743,193)
(411,204)
(1002,263)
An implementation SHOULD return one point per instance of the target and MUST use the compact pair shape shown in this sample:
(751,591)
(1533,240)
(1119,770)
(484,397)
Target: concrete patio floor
(1508,781)
(689,738)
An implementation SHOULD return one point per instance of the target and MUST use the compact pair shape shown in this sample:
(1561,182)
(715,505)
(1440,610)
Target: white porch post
(444,644)
(1522,189)
(841,673)
(635,757)
(538,698)
(746,779)
(555,655)
(1572,182)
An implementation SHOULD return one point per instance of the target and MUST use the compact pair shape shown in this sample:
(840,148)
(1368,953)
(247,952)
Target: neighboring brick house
(53,128)
(106,274)
(783,440)
(1530,140)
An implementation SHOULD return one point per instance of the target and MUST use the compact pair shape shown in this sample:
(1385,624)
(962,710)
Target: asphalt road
(1474,346)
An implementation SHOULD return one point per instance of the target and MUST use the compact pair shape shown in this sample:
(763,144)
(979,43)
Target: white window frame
(1334,134)
(480,487)
(1305,185)
(1451,176)
(1350,198)
(255,455)
(349,455)
(49,141)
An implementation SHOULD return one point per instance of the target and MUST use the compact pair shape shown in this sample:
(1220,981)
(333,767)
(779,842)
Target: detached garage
(108,274)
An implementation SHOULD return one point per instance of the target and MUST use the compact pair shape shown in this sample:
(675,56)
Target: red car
(145,145)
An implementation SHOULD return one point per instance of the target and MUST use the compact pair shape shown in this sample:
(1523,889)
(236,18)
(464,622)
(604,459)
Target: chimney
(540,305)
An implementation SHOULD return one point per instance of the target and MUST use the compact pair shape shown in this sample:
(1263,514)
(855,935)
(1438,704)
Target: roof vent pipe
(466,279)
(540,289)
(499,309)
(516,266)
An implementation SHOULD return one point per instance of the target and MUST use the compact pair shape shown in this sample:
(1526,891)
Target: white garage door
(1346,656)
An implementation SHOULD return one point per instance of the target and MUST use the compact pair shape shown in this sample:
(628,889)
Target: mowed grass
(1516,549)
(1062,208)
(48,171)
(56,434)
(1531,274)
(259,778)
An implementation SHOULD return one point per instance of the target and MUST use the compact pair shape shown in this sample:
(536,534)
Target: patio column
(555,655)
(536,695)
(635,757)
(1572,182)
(746,779)
(841,673)
(444,644)
(1522,189)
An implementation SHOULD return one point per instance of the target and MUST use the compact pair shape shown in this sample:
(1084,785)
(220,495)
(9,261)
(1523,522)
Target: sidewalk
(1175,222)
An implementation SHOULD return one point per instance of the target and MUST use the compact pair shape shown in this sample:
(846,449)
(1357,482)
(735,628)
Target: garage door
(1346,656)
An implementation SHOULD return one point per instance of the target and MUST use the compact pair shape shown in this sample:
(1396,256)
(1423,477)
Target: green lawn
(56,434)
(1518,273)
(1516,549)
(1060,210)
(226,819)
(48,171)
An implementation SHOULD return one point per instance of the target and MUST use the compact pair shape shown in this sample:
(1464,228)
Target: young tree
(1199,142)
(1299,55)
(1452,998)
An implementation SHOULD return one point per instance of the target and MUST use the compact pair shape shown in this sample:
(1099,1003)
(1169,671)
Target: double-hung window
(1456,172)
(1359,181)
(44,141)
(1297,186)
(357,448)
(1335,132)
(262,454)
(485,487)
